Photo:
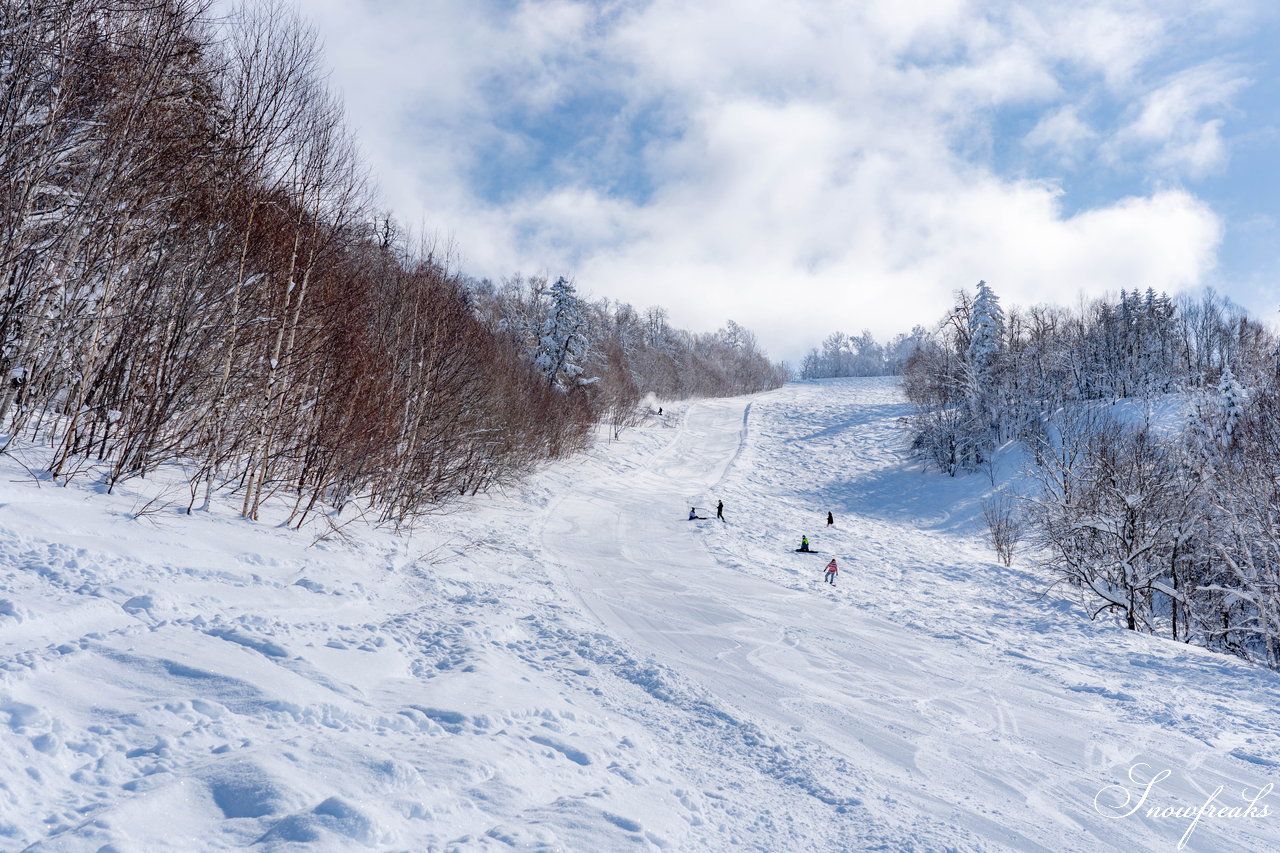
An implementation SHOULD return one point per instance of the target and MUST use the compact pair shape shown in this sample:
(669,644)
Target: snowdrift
(573,666)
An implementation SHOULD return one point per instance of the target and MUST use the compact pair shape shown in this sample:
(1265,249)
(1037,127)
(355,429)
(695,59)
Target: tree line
(631,354)
(842,354)
(193,270)
(1169,523)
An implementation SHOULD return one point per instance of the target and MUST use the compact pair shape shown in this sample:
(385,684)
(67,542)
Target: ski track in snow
(573,666)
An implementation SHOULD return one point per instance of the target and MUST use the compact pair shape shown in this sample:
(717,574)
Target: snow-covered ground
(574,666)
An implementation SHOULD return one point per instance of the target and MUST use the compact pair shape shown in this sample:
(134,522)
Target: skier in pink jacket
(831,572)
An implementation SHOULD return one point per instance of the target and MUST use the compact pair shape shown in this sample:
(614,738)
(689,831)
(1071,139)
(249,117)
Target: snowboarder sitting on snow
(804,543)
(831,572)
(693,514)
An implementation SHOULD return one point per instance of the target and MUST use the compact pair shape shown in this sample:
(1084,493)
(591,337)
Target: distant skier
(804,544)
(720,510)
(832,571)
(659,411)
(693,514)
(831,520)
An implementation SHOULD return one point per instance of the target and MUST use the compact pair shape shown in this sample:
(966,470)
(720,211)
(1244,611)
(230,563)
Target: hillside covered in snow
(575,666)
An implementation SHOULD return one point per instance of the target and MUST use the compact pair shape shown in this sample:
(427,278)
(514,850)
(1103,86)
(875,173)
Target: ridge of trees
(1173,528)
(842,354)
(193,271)
(631,352)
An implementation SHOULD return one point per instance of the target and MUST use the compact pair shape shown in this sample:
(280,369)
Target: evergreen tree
(986,330)
(562,346)
(1200,441)
(986,335)
(1232,404)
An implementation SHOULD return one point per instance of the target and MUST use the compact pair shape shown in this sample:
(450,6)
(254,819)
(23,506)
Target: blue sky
(802,166)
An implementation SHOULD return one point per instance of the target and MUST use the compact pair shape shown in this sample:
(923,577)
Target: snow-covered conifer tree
(562,346)
(986,329)
(986,339)
(1198,438)
(1232,403)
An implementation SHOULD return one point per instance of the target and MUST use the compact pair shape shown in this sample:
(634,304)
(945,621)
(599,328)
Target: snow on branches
(1169,521)
(562,344)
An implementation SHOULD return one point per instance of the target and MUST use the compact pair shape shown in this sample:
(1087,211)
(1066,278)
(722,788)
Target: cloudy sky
(802,166)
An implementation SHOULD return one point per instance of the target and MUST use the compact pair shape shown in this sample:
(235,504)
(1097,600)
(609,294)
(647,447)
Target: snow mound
(571,666)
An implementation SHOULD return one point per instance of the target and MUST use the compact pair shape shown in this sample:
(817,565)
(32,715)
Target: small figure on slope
(720,510)
(831,520)
(693,514)
(804,544)
(832,571)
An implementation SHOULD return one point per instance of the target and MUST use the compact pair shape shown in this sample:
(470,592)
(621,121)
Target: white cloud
(812,161)
(1170,121)
(1063,134)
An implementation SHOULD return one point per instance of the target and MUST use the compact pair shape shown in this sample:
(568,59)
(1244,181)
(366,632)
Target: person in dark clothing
(720,510)
(831,520)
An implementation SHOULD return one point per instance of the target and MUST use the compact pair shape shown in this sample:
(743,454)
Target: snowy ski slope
(573,666)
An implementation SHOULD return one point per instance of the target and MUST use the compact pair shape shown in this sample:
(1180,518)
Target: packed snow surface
(574,666)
